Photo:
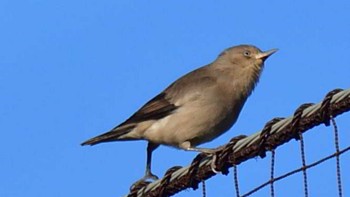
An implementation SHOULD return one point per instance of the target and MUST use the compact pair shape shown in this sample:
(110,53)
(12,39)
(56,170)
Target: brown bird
(197,107)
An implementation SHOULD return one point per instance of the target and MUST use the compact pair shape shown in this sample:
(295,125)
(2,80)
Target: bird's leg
(208,151)
(149,175)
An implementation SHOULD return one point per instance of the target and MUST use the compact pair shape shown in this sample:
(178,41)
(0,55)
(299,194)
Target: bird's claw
(213,164)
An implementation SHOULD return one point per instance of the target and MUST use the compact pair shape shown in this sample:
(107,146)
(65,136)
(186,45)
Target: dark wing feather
(154,109)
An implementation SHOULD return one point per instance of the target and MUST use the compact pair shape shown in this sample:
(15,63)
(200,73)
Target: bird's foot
(222,152)
(149,176)
(212,152)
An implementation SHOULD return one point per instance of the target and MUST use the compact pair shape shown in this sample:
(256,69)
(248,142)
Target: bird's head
(242,65)
(244,56)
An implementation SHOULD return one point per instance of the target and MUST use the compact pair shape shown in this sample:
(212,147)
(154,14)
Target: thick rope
(249,147)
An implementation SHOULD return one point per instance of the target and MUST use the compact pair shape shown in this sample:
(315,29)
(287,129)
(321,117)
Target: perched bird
(197,107)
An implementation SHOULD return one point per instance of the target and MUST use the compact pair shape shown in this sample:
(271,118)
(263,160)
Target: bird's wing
(157,108)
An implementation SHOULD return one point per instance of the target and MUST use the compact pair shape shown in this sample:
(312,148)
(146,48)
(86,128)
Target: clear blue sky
(70,70)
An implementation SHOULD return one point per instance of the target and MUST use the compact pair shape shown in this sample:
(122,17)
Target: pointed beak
(264,55)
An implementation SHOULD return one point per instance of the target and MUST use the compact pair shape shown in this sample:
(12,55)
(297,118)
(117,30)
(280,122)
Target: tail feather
(113,135)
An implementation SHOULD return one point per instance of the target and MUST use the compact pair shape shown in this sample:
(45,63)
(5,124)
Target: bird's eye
(247,53)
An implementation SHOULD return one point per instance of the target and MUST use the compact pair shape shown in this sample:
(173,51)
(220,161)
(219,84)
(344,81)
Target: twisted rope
(252,146)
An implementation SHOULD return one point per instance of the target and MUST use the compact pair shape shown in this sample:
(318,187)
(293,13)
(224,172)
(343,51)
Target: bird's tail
(113,135)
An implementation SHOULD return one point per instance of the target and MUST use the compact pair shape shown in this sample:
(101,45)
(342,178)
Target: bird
(196,108)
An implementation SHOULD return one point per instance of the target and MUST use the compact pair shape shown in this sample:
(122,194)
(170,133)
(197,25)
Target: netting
(276,132)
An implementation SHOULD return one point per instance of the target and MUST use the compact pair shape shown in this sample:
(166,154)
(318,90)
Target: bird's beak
(264,55)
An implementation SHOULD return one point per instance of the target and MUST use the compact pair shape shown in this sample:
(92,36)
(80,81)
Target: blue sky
(70,70)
